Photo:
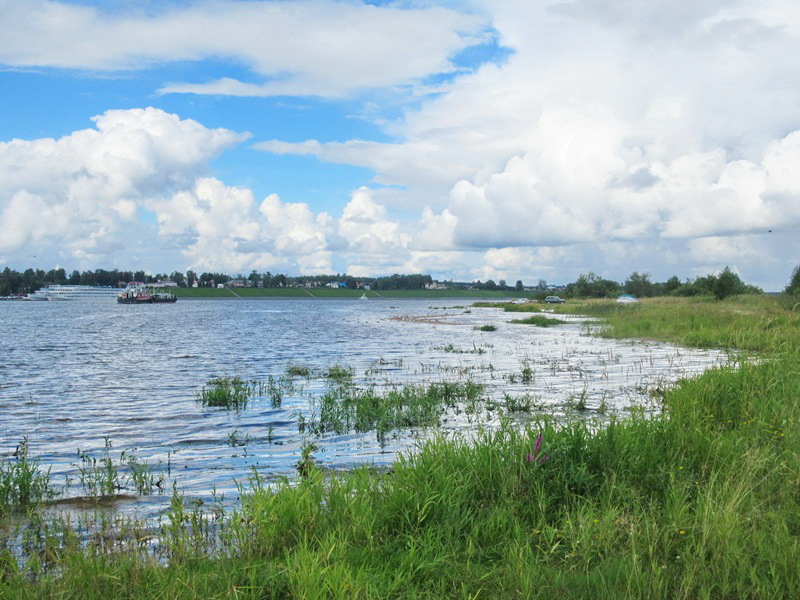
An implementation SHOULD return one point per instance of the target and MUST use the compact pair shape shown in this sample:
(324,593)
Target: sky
(469,140)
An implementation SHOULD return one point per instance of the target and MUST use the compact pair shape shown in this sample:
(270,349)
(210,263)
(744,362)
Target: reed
(22,483)
(339,373)
(226,392)
(298,371)
(346,408)
(539,321)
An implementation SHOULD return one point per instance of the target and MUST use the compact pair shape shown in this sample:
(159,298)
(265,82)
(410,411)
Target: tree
(672,284)
(794,283)
(639,284)
(519,287)
(591,285)
(727,284)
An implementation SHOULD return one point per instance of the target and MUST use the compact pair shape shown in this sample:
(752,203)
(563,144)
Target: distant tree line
(727,283)
(587,285)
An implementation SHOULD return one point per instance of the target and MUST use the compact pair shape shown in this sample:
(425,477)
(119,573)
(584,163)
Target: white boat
(73,292)
(363,297)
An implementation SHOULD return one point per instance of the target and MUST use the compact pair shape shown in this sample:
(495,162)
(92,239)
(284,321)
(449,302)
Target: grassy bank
(701,501)
(340,293)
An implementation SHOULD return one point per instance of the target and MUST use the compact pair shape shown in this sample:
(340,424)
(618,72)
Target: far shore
(208,292)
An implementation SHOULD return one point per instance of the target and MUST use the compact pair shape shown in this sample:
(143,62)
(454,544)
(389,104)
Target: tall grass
(225,392)
(22,482)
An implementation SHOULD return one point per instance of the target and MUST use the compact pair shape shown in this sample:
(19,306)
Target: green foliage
(347,408)
(339,373)
(22,483)
(793,287)
(590,285)
(226,392)
(486,328)
(727,284)
(298,371)
(539,321)
(639,285)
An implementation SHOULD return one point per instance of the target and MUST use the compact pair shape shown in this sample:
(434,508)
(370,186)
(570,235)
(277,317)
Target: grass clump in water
(22,483)
(298,371)
(487,328)
(348,408)
(104,477)
(339,373)
(539,321)
(226,392)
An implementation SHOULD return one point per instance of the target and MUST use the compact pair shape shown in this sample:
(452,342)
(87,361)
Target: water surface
(76,374)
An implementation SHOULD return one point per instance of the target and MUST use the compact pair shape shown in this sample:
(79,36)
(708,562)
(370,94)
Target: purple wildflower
(534,457)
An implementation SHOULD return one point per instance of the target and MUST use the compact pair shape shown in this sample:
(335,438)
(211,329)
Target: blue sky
(508,139)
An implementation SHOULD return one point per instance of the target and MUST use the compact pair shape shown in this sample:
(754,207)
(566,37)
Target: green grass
(698,501)
(539,321)
(748,323)
(298,371)
(22,483)
(226,392)
(347,408)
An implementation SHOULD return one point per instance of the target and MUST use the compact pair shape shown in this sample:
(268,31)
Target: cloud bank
(614,136)
(297,48)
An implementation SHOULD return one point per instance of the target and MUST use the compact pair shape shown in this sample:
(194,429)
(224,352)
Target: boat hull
(151,300)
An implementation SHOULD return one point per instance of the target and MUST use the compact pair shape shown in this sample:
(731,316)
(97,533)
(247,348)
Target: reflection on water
(74,374)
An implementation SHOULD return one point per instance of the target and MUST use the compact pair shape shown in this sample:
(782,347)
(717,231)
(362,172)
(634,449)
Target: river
(81,375)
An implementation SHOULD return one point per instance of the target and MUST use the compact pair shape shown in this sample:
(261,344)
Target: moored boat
(139,293)
(56,292)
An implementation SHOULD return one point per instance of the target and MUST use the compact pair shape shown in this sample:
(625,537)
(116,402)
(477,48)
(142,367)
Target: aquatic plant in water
(226,392)
(21,482)
(348,408)
(539,321)
(298,371)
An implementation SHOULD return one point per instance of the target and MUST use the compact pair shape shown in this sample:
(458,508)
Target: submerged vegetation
(348,408)
(226,392)
(697,500)
(539,321)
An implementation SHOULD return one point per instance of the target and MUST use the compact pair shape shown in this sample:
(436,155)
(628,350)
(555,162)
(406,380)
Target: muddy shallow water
(74,375)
